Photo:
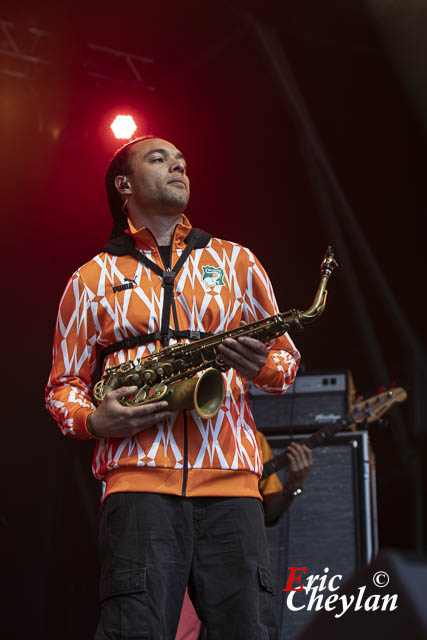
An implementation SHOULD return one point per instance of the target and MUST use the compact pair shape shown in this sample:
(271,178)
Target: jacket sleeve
(68,398)
(283,360)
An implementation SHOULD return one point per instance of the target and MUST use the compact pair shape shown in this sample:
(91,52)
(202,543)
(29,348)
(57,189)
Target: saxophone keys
(139,396)
(219,361)
(98,391)
(178,364)
(165,370)
(132,379)
(157,392)
(137,399)
(149,376)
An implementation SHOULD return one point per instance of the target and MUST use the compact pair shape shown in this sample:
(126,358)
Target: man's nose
(178,166)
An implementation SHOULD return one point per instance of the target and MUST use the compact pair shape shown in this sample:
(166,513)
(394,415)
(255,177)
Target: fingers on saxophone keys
(231,346)
(121,392)
(235,359)
(227,352)
(253,344)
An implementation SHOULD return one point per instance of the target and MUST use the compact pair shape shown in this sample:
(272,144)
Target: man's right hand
(112,420)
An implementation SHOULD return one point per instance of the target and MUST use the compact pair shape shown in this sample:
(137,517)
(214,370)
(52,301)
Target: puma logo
(130,284)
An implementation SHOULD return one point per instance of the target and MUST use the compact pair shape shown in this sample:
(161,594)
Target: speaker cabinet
(312,401)
(331,524)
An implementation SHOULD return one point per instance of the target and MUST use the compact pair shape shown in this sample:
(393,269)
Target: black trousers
(153,545)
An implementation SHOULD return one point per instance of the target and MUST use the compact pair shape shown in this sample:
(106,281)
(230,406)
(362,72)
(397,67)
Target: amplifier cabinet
(312,401)
(331,524)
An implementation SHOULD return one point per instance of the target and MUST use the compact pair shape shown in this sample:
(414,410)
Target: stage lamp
(123,127)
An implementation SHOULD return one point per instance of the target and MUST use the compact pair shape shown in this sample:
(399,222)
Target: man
(181,503)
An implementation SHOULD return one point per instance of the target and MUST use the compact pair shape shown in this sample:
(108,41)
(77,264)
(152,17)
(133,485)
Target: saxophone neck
(318,305)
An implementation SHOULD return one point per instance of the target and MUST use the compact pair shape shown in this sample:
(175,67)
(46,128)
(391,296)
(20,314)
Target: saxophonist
(181,503)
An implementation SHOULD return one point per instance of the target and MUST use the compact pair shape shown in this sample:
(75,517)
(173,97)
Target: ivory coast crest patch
(212,276)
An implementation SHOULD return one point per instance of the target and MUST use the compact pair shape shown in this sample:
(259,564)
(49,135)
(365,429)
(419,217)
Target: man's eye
(159,159)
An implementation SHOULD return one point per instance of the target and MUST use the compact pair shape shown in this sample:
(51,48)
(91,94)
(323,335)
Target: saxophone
(170,373)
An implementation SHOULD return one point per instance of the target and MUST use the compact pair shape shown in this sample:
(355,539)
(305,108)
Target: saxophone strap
(125,245)
(138,340)
(168,280)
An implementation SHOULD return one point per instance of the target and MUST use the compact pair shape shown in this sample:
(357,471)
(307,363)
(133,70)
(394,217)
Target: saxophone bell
(205,394)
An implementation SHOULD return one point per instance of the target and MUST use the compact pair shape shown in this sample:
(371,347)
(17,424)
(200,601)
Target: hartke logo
(327,417)
(130,284)
(213,276)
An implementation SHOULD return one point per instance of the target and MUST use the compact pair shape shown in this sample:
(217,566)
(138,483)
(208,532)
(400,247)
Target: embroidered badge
(213,276)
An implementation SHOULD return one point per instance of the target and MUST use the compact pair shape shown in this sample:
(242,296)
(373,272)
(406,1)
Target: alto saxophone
(169,373)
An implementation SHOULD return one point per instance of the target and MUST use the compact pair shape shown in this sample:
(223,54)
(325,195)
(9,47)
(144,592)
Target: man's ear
(122,185)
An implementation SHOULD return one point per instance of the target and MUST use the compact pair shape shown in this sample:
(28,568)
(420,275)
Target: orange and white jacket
(221,456)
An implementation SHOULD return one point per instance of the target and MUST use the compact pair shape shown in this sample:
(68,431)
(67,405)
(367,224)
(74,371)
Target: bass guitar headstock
(375,407)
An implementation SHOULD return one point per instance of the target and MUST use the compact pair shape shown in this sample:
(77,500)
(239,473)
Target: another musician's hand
(300,461)
(246,355)
(112,420)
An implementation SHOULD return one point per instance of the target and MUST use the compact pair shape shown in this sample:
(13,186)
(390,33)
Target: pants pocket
(267,603)
(265,580)
(124,605)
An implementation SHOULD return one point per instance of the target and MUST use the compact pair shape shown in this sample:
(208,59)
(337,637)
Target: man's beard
(173,197)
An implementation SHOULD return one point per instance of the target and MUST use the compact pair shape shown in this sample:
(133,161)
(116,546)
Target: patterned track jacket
(217,287)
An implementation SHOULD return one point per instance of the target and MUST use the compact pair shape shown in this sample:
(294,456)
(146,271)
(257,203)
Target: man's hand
(246,355)
(300,461)
(113,420)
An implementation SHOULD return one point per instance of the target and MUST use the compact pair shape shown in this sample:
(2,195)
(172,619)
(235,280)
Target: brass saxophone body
(169,373)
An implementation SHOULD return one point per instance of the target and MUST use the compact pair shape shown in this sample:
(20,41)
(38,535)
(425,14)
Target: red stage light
(123,127)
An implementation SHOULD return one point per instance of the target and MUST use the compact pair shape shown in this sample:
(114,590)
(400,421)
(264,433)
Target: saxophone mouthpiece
(329,263)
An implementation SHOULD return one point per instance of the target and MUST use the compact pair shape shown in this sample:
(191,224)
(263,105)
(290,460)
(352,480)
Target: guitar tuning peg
(381,389)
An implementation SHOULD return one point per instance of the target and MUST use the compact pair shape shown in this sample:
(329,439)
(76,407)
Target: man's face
(159,176)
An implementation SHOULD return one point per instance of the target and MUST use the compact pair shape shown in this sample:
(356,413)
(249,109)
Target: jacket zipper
(185,452)
(185,468)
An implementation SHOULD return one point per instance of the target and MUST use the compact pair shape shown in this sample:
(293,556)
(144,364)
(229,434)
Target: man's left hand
(246,355)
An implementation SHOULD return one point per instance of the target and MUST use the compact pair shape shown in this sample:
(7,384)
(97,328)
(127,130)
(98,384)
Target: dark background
(215,97)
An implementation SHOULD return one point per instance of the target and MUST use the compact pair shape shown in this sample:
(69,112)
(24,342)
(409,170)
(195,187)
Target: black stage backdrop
(217,100)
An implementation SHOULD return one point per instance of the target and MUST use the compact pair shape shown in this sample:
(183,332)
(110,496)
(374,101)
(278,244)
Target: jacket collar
(144,239)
